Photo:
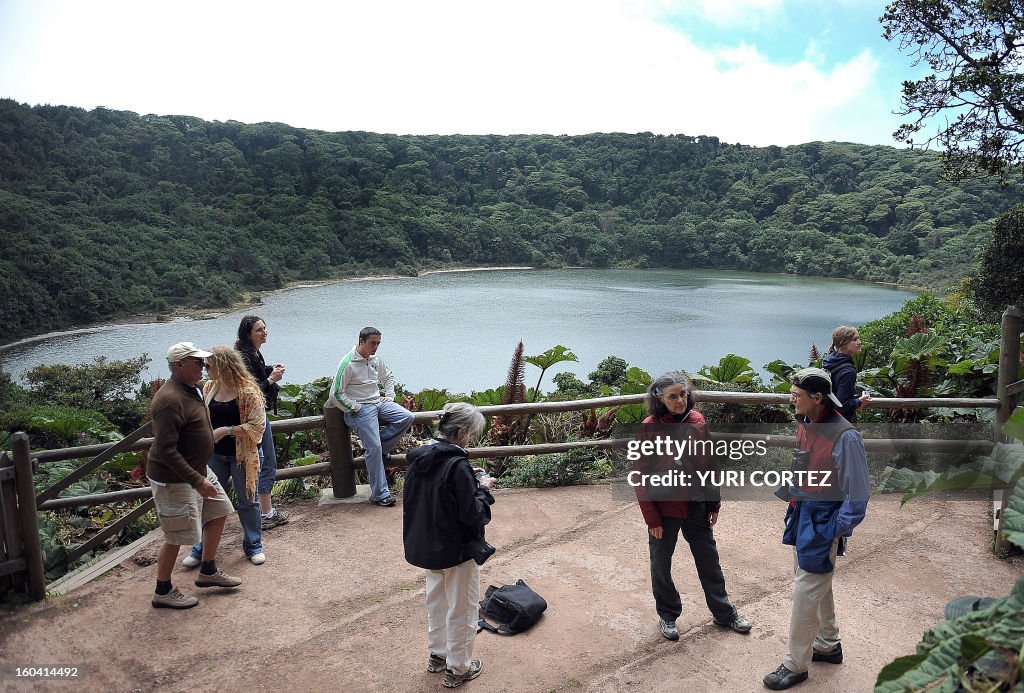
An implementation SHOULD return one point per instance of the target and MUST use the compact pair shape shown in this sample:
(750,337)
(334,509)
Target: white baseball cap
(184,350)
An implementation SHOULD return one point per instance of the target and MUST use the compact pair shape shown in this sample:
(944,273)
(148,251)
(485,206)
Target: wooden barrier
(27,564)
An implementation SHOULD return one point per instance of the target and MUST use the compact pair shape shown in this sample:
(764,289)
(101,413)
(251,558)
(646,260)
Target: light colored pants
(183,513)
(812,625)
(453,602)
(396,420)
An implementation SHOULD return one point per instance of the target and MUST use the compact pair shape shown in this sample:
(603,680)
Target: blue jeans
(248,510)
(367,424)
(268,461)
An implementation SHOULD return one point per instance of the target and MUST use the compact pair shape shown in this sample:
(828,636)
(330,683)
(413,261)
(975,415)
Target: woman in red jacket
(669,510)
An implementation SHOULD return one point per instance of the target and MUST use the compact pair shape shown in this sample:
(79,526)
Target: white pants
(453,597)
(812,625)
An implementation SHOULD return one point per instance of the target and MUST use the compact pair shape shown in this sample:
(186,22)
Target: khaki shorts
(183,512)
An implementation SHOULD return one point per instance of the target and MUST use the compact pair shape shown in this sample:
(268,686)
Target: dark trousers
(699,535)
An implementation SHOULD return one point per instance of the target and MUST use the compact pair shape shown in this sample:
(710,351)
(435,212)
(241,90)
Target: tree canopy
(1000,280)
(975,50)
(108,213)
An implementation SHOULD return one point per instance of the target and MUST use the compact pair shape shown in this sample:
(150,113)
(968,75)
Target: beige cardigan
(254,421)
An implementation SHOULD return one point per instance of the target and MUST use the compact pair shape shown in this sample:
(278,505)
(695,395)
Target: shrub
(577,466)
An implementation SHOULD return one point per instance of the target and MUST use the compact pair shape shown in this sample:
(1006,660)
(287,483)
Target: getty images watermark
(676,462)
(680,450)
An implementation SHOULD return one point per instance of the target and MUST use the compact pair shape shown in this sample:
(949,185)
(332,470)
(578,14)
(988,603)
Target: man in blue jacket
(830,499)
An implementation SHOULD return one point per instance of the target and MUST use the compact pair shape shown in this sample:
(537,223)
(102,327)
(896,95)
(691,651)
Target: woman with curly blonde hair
(238,418)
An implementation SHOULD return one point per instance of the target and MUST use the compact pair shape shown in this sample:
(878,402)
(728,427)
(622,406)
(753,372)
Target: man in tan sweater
(190,502)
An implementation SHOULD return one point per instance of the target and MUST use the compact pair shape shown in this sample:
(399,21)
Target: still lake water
(458,330)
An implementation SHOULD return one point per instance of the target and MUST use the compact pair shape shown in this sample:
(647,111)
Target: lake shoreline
(687,319)
(251,300)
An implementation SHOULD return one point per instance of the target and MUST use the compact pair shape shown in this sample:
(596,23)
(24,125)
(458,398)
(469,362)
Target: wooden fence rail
(21,554)
(963,447)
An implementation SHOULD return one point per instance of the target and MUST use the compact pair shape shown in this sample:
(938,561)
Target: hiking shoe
(738,624)
(453,680)
(190,561)
(668,629)
(833,657)
(218,579)
(276,519)
(258,558)
(386,501)
(173,600)
(782,678)
(436,664)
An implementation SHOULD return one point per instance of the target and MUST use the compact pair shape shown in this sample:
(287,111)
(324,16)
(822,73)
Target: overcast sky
(757,72)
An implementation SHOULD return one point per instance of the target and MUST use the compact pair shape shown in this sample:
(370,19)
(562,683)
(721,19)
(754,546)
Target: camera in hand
(479,550)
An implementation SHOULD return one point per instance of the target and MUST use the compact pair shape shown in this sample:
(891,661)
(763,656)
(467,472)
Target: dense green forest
(107,213)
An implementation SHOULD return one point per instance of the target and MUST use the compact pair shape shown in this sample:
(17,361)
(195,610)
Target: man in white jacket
(356,390)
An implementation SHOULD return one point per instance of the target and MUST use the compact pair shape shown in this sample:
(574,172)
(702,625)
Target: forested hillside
(107,213)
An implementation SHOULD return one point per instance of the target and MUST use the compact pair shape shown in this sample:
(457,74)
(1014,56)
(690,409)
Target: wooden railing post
(12,555)
(339,447)
(1009,367)
(27,513)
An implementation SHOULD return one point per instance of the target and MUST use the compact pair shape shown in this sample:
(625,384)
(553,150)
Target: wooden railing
(21,560)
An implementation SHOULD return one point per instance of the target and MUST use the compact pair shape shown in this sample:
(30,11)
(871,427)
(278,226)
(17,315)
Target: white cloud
(729,12)
(460,66)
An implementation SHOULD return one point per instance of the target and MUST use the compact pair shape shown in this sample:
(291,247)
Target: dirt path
(337,608)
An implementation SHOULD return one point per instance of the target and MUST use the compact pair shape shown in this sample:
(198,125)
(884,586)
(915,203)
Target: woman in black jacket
(252,334)
(445,508)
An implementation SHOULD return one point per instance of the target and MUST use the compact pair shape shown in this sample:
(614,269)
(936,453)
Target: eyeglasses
(193,359)
(674,397)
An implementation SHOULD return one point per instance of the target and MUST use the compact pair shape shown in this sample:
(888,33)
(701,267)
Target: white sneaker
(258,558)
(190,561)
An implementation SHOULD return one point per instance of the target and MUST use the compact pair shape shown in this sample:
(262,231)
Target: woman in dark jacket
(680,509)
(445,508)
(252,334)
(839,364)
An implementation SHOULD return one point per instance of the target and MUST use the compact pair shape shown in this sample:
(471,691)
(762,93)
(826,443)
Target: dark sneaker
(386,501)
(833,657)
(173,600)
(276,520)
(436,664)
(218,579)
(668,629)
(738,624)
(782,678)
(453,680)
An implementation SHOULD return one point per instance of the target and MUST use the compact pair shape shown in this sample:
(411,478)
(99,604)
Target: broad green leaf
(730,369)
(556,354)
(638,376)
(923,346)
(432,399)
(1014,426)
(950,647)
(962,368)
(1013,516)
(485,398)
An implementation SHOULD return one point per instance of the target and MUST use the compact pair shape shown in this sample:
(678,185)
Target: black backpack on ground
(516,607)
